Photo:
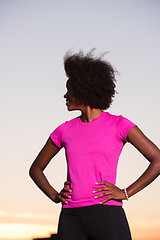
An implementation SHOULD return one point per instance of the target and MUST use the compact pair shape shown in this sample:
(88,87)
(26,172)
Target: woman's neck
(89,114)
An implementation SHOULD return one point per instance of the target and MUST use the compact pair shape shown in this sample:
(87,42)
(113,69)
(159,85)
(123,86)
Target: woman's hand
(110,191)
(61,197)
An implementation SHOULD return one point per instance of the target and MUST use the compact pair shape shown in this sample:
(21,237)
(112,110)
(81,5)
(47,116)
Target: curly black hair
(92,79)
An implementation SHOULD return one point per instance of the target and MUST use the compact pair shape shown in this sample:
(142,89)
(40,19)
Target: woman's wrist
(55,197)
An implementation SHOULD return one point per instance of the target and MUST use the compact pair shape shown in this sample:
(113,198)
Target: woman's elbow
(158,167)
(32,170)
(35,170)
(156,164)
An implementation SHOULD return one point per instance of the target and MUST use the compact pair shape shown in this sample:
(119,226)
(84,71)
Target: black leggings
(97,222)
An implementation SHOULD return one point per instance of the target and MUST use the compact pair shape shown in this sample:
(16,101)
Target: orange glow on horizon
(29,231)
(25,231)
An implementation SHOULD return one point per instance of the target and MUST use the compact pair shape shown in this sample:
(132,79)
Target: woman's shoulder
(113,117)
(119,120)
(68,123)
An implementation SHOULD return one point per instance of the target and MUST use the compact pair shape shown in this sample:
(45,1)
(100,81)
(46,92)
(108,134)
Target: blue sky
(34,38)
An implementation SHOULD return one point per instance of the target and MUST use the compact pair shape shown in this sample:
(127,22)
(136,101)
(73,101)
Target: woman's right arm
(36,173)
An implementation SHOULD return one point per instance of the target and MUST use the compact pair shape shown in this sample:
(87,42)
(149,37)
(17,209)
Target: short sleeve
(56,136)
(124,126)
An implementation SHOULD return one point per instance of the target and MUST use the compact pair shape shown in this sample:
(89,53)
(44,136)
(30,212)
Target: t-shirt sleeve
(56,136)
(124,126)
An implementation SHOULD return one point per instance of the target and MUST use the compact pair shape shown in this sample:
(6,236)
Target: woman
(91,202)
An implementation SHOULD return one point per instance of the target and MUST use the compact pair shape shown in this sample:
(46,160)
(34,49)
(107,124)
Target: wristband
(126,194)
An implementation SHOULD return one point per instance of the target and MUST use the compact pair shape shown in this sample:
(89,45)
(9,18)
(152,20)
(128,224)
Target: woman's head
(91,79)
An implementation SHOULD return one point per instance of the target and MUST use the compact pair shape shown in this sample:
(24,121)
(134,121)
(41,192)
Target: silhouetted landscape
(52,237)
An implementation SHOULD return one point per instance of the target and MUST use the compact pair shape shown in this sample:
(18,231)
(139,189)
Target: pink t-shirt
(92,152)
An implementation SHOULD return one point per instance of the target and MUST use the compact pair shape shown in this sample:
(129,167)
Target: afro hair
(92,79)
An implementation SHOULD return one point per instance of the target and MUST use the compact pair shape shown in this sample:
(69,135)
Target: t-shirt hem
(54,143)
(130,127)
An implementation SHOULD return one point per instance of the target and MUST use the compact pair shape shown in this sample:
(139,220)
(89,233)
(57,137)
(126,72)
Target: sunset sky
(34,36)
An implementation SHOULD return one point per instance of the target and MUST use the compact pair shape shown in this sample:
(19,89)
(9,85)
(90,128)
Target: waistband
(79,211)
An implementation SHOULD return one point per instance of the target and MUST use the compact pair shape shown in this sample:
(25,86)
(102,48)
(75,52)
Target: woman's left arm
(151,152)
